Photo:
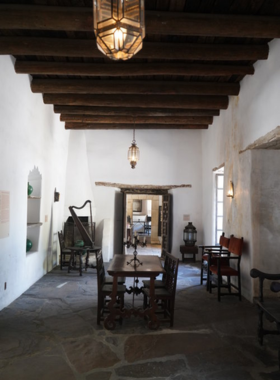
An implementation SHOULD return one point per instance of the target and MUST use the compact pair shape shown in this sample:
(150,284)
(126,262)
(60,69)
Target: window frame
(217,175)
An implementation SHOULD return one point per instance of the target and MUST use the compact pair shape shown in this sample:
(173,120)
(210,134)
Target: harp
(88,240)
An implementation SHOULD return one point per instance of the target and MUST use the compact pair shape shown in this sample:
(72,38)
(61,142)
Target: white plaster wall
(30,135)
(265,177)
(78,185)
(251,115)
(166,158)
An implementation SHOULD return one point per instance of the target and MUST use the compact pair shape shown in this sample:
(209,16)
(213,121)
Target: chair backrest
(235,245)
(100,270)
(224,241)
(61,240)
(171,267)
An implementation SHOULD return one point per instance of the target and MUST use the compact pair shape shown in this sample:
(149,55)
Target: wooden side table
(188,250)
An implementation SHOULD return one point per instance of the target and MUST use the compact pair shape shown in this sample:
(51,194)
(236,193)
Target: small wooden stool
(188,250)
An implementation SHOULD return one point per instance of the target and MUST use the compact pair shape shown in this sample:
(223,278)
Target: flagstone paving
(50,333)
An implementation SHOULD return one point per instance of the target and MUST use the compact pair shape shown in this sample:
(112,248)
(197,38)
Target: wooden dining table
(124,266)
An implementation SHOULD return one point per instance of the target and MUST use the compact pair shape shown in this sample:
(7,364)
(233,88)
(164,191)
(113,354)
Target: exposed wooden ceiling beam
(87,48)
(143,101)
(164,23)
(134,112)
(173,120)
(129,69)
(80,126)
(86,86)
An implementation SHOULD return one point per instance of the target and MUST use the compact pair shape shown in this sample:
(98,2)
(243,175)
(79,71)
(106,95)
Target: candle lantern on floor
(189,237)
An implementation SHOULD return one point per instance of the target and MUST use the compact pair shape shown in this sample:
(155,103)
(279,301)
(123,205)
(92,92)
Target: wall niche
(33,209)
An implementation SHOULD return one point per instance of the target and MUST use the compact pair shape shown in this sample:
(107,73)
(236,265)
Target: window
(219,203)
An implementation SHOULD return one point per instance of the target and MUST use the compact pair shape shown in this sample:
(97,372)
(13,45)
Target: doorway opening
(143,219)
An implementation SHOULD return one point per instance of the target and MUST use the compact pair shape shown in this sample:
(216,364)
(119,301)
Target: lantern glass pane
(104,10)
(133,153)
(132,10)
(125,16)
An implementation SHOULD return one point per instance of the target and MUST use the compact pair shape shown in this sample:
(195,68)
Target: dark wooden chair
(108,279)
(221,266)
(104,291)
(267,306)
(161,282)
(222,248)
(65,254)
(165,297)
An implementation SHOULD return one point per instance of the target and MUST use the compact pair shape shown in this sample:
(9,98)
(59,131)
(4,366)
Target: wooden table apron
(151,267)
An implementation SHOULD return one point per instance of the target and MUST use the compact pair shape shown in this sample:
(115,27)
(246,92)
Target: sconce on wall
(56,196)
(230,192)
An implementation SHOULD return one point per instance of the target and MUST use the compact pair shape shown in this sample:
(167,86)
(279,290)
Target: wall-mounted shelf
(30,225)
(34,209)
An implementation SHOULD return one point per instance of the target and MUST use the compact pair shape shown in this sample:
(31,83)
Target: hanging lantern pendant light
(119,27)
(133,152)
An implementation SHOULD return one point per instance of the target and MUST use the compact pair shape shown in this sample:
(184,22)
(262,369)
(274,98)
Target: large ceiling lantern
(119,27)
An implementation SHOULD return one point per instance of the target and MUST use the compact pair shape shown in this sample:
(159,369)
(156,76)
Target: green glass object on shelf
(79,243)
(29,189)
(28,245)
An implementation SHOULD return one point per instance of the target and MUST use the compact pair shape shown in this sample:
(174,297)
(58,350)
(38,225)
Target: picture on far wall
(137,205)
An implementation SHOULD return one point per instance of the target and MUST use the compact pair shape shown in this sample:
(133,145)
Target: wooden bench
(270,306)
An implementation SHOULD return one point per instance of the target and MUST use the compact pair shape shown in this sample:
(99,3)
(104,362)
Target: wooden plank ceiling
(194,56)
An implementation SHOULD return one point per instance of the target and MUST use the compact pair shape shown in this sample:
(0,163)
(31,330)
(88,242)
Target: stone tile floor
(50,332)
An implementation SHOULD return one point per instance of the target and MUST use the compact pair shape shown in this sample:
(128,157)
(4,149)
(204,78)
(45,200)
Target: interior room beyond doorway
(143,215)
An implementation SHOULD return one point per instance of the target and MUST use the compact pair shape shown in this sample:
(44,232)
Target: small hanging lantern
(190,234)
(133,152)
(119,27)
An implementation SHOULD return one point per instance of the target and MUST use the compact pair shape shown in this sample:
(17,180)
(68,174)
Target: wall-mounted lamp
(230,192)
(56,196)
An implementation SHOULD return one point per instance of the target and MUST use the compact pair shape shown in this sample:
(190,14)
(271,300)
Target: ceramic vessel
(29,189)
(28,245)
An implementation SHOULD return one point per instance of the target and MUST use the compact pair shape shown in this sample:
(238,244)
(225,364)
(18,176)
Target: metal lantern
(133,153)
(119,27)
(190,234)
